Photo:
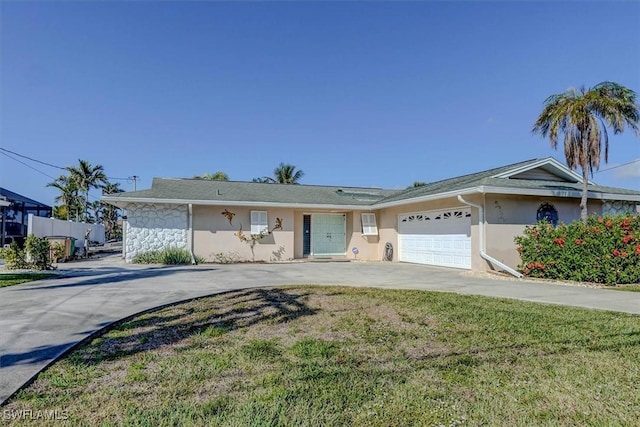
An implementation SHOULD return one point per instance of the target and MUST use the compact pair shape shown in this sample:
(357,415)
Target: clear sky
(353,93)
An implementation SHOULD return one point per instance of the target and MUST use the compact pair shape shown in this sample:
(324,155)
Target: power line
(39,171)
(618,166)
(56,166)
(30,167)
(33,160)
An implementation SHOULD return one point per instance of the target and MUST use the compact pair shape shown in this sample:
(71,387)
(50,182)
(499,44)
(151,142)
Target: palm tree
(68,194)
(86,177)
(287,174)
(583,116)
(218,176)
(283,174)
(110,213)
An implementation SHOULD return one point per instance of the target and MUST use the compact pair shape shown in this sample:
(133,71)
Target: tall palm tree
(582,116)
(68,194)
(109,213)
(218,176)
(86,177)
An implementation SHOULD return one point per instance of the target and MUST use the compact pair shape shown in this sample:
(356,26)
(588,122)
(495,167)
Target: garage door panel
(437,238)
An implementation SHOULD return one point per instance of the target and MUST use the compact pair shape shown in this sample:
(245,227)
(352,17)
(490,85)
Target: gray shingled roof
(452,184)
(236,191)
(193,190)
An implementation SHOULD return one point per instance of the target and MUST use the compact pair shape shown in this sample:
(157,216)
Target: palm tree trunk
(584,214)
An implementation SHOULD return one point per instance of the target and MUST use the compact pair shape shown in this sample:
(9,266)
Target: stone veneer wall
(155,227)
(618,207)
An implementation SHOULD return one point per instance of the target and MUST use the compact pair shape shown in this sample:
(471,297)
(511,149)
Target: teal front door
(328,234)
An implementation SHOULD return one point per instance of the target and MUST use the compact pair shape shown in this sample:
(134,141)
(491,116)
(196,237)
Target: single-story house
(467,222)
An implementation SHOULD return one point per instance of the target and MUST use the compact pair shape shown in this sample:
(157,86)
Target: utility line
(20,161)
(53,166)
(618,166)
(39,171)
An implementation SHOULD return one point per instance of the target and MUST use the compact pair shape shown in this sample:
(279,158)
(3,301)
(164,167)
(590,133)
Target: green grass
(9,279)
(627,288)
(331,356)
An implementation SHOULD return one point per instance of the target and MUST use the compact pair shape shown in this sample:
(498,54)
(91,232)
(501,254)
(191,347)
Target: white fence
(47,227)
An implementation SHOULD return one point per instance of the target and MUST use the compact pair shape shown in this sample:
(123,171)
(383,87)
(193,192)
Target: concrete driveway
(41,320)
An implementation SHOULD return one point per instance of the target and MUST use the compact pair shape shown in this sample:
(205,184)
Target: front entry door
(328,234)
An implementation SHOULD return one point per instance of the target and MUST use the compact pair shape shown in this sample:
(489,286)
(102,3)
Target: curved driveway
(39,321)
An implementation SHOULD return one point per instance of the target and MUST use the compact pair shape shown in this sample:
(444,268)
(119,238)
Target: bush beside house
(602,250)
(35,255)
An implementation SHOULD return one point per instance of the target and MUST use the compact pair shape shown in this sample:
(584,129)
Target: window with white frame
(369,226)
(259,222)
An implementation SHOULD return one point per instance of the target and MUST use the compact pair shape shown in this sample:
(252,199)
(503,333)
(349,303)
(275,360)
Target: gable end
(540,174)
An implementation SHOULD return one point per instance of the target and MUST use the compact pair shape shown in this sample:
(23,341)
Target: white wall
(45,227)
(151,227)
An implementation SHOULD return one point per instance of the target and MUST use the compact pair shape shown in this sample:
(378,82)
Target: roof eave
(558,193)
(427,198)
(123,203)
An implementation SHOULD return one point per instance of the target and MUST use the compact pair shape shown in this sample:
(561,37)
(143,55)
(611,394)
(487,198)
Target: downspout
(481,245)
(124,237)
(190,235)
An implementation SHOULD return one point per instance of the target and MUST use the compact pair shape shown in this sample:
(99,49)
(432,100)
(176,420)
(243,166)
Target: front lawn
(9,279)
(628,288)
(333,356)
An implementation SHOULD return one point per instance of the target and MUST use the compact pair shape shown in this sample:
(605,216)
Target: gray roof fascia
(488,189)
(427,198)
(121,202)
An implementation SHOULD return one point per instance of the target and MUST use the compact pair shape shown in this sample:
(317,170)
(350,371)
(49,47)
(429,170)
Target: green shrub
(168,256)
(35,254)
(150,257)
(604,250)
(175,256)
(58,251)
(38,252)
(14,257)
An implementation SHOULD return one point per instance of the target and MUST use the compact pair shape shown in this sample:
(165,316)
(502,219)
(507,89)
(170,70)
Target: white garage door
(436,237)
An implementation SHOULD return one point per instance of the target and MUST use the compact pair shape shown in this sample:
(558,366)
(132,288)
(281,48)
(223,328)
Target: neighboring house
(13,225)
(466,222)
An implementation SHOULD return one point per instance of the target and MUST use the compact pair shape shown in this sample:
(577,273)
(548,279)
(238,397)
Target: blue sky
(353,93)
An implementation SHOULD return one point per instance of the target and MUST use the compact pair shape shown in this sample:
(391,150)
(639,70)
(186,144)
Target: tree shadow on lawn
(173,325)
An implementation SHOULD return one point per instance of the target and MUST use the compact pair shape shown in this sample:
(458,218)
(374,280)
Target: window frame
(547,212)
(369,227)
(258,226)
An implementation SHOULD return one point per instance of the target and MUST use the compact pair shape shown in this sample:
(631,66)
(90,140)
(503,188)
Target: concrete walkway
(41,320)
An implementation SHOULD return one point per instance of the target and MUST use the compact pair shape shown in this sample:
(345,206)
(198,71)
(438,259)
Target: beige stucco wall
(507,216)
(213,234)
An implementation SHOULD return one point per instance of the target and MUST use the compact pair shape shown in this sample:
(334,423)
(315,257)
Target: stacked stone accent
(155,227)
(617,207)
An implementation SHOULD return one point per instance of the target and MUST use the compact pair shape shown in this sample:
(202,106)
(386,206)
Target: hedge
(604,250)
